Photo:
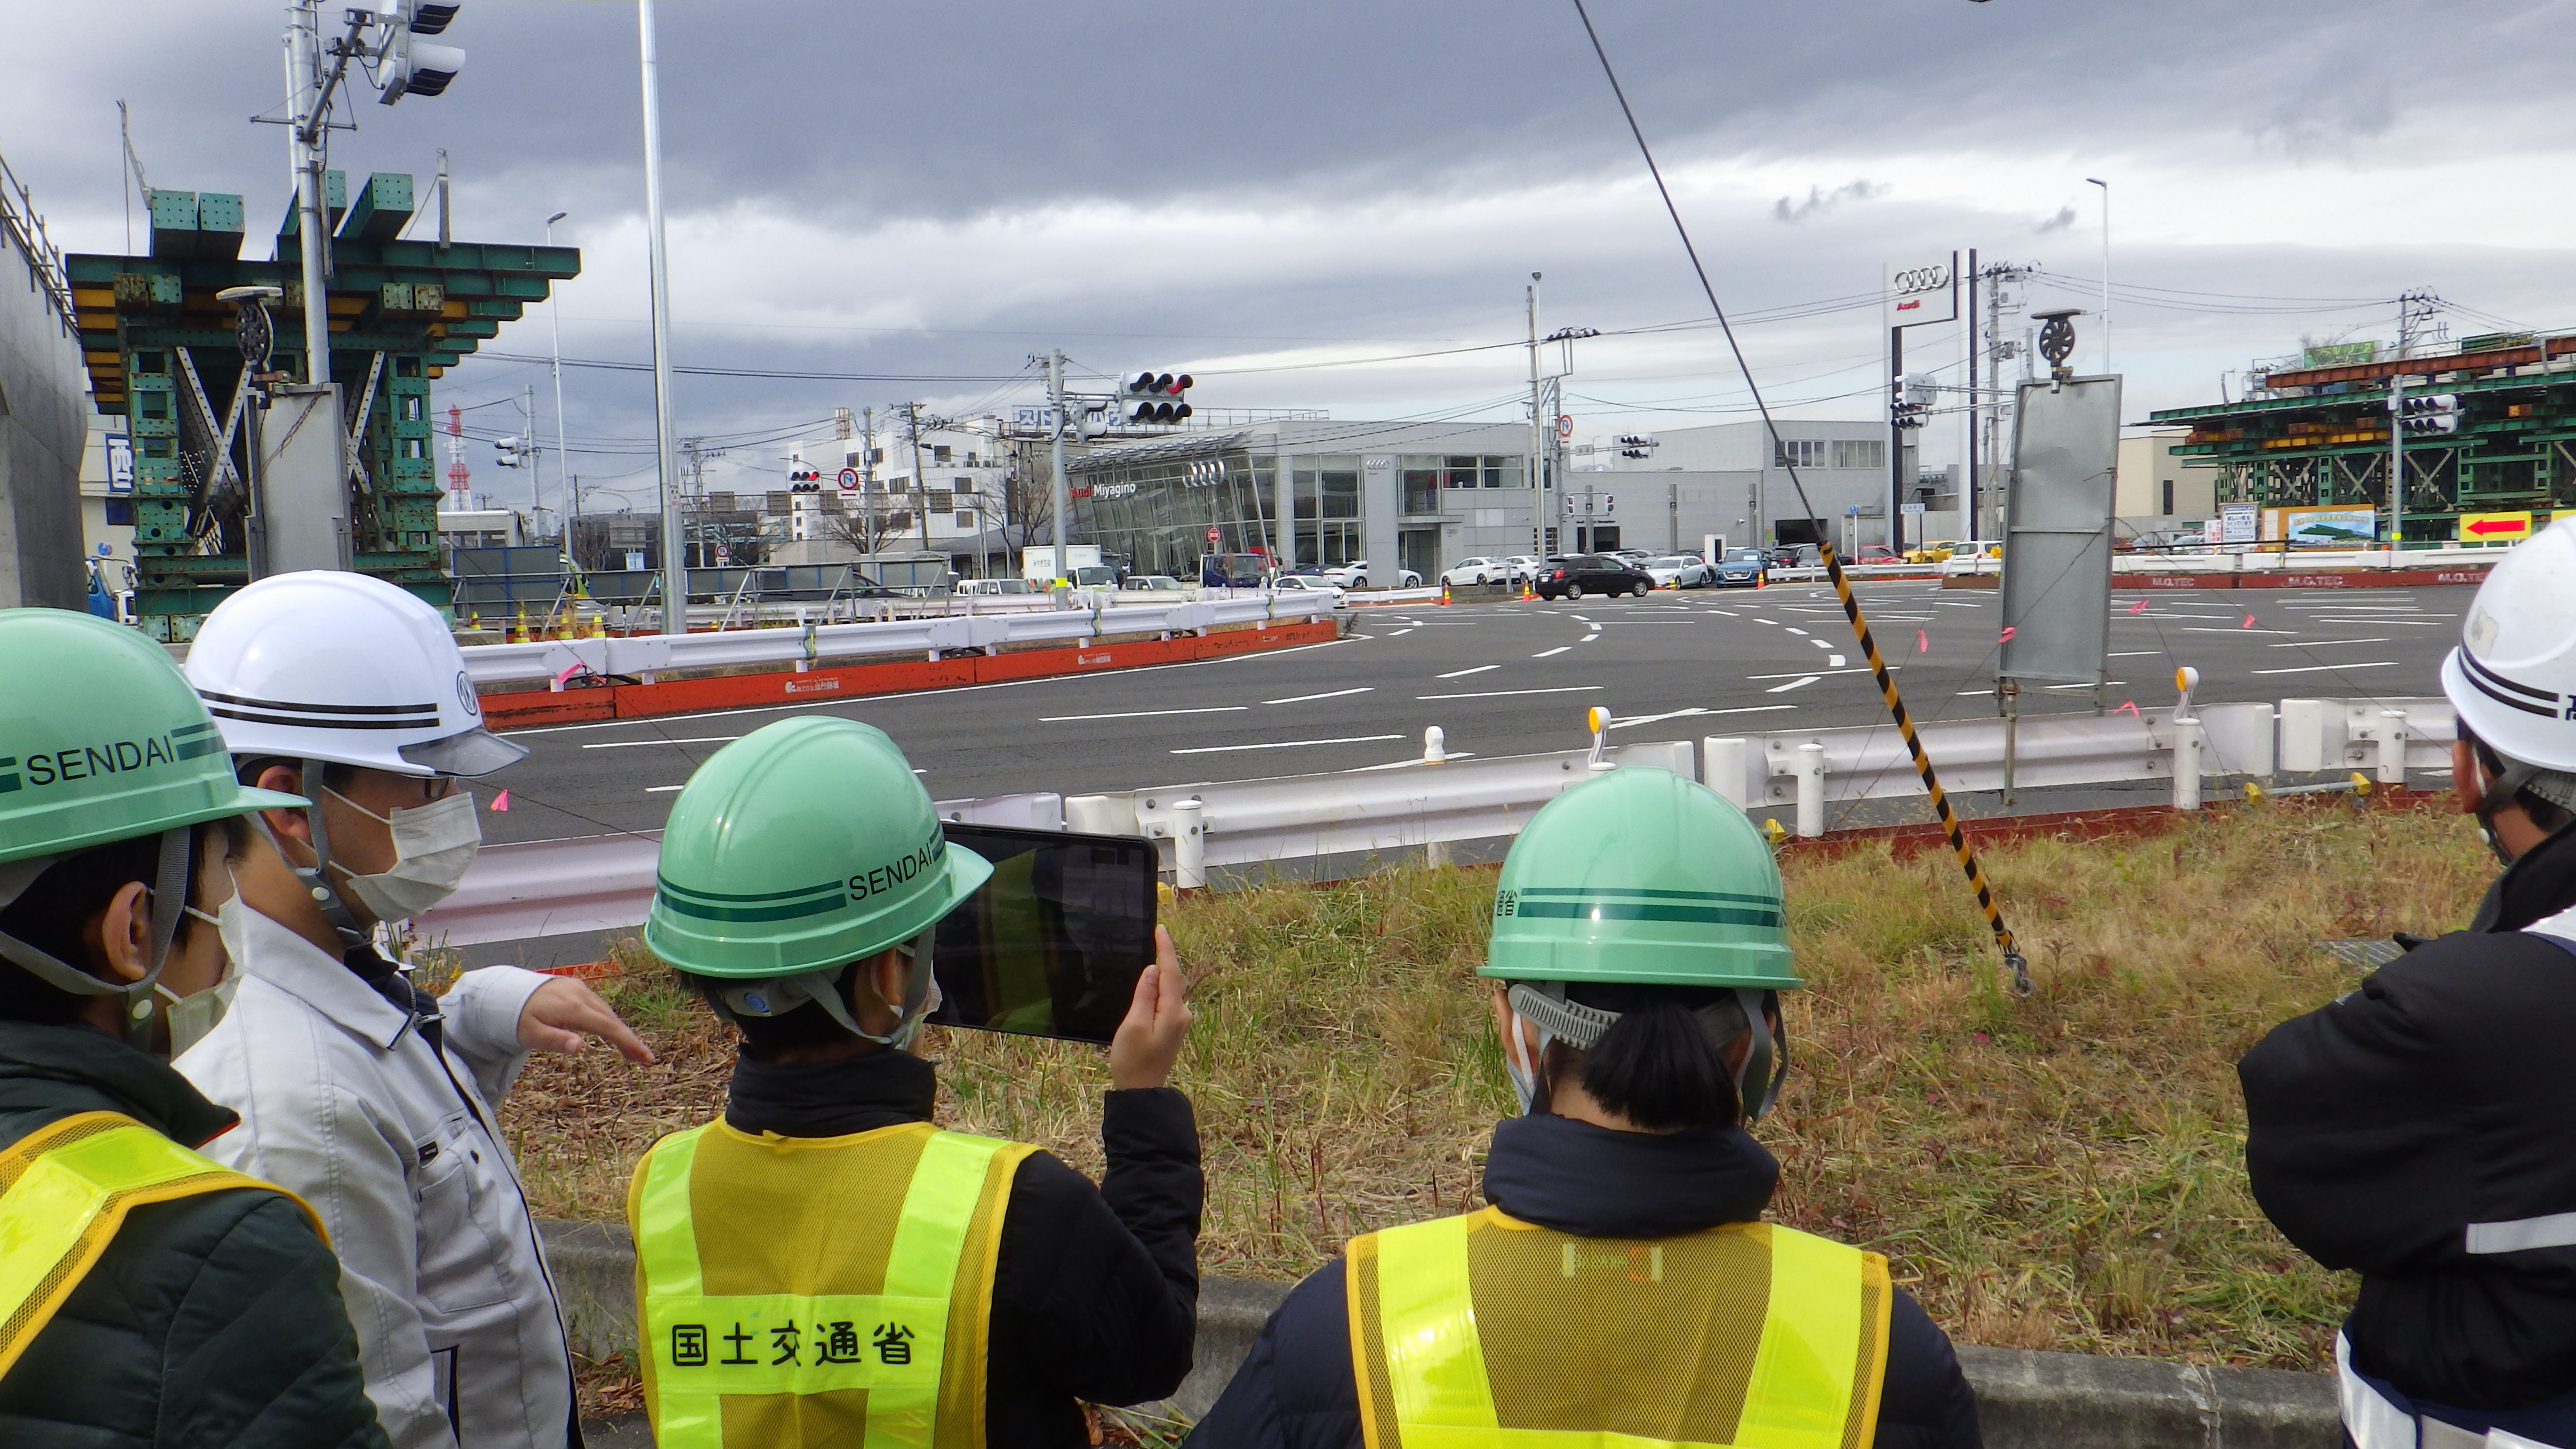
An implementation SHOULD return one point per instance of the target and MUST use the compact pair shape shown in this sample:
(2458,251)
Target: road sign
(1213,535)
(2237,523)
(2494,527)
(1564,425)
(849,480)
(1911,510)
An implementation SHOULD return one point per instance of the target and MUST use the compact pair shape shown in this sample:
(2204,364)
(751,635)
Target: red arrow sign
(2498,525)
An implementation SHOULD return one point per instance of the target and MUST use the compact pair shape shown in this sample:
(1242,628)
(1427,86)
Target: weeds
(2062,1170)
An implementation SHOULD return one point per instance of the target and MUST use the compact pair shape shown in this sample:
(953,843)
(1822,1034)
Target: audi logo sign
(1922,292)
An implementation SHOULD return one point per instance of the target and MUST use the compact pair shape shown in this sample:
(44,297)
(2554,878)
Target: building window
(1422,490)
(939,452)
(966,520)
(1801,453)
(1859,453)
(2169,497)
(876,455)
(120,511)
(941,500)
(964,485)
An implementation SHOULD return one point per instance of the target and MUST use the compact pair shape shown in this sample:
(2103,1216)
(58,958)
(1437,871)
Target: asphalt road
(1514,679)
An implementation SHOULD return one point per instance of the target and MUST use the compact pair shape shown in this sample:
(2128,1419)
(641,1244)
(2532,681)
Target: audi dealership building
(1421,496)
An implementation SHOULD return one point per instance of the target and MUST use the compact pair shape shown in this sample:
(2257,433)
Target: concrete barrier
(2025,1399)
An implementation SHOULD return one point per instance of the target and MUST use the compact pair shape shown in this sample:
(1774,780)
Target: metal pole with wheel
(675,555)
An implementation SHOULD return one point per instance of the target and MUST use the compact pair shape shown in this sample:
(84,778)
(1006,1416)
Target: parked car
(1351,575)
(1301,583)
(1877,553)
(1152,583)
(1594,573)
(995,586)
(1742,567)
(1677,571)
(1788,556)
(1933,550)
(1477,571)
(1524,567)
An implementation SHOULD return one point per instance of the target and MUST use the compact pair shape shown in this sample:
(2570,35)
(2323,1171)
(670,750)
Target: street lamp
(2106,271)
(675,568)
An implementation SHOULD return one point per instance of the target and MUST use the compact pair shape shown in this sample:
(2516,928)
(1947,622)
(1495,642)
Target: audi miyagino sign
(1923,291)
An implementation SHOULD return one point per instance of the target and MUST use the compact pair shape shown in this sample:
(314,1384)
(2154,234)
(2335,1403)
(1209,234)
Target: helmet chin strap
(2505,781)
(316,877)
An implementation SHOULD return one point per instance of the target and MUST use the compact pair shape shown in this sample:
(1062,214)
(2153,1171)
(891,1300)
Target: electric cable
(1976,876)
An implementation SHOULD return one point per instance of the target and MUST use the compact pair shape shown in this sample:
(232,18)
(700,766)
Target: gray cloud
(1819,199)
(2064,218)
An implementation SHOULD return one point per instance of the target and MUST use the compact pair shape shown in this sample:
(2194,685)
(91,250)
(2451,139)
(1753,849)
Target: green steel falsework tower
(163,353)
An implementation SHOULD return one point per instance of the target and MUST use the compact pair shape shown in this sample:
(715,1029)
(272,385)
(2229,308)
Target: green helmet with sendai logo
(101,739)
(803,846)
(1641,876)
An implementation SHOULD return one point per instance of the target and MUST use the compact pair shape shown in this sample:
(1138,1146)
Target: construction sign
(2494,527)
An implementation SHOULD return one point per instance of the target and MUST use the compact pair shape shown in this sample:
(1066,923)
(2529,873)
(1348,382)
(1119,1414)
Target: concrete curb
(2025,1399)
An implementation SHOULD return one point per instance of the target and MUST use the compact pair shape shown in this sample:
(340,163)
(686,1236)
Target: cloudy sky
(1267,196)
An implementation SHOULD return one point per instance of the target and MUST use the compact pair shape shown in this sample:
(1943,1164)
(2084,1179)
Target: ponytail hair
(1662,1064)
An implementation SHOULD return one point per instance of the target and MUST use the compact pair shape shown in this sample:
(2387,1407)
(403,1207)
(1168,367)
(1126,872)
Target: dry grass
(2063,1170)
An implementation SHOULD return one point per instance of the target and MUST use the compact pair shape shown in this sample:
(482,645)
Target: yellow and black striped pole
(1931,780)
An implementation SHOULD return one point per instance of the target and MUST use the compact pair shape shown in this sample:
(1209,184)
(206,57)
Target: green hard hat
(102,739)
(802,846)
(1641,876)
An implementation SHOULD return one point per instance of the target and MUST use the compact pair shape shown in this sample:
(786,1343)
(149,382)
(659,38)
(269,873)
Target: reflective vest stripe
(1421,1358)
(64,1191)
(704,1347)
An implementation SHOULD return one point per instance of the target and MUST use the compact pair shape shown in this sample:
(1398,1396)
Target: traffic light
(1637,445)
(1913,399)
(508,452)
(803,478)
(2430,416)
(406,64)
(1157,398)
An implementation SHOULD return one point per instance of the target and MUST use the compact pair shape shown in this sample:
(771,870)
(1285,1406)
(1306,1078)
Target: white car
(1676,571)
(995,586)
(1478,571)
(1355,574)
(1524,567)
(1151,584)
(1308,584)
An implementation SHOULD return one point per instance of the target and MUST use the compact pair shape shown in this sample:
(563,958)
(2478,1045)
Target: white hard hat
(341,667)
(2513,677)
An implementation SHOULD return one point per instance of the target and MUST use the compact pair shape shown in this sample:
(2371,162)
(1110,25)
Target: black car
(1574,576)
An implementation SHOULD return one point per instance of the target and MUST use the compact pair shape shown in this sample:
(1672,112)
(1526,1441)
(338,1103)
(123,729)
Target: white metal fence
(604,882)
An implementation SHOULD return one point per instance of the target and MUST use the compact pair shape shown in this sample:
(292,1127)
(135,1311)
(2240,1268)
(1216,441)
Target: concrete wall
(43,399)
(2145,467)
(2025,1400)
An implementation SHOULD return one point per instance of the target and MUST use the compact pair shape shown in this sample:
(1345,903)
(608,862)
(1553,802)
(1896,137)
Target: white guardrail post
(2187,738)
(1811,789)
(1189,844)
(2392,747)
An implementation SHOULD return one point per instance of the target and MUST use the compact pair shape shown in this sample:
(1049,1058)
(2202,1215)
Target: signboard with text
(2237,523)
(1923,291)
(120,463)
(2494,527)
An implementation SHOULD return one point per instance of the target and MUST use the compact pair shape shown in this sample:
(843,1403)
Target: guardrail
(645,655)
(604,882)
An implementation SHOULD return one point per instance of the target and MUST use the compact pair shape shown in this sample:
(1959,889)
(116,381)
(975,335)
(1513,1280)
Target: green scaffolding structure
(162,352)
(2321,438)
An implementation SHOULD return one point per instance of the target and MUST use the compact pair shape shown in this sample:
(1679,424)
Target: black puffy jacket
(1295,1389)
(209,1320)
(2385,1130)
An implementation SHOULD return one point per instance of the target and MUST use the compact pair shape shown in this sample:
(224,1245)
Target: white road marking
(2318,668)
(1799,683)
(1506,693)
(1800,632)
(692,740)
(2236,631)
(2384,623)
(1695,710)
(1822,643)
(1963,694)
(1544,653)
(2106,682)
(1726,613)
(1142,713)
(1773,622)
(662,789)
(1957,604)
(1863,670)
(2319,643)
(1399,631)
(1578,618)
(1283,744)
(1588,638)
(1835,660)
(2140,653)
(1329,694)
(1463,673)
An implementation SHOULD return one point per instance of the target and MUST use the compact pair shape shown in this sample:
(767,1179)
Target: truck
(1082,561)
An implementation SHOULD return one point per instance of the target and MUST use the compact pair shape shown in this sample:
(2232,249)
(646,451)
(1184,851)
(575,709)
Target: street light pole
(675,564)
(306,126)
(2106,271)
(1060,491)
(1537,458)
(554,321)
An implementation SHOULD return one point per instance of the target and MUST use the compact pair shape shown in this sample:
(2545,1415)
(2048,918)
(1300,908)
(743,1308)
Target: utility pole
(2412,307)
(308,120)
(1060,494)
(675,569)
(1895,442)
(1968,433)
(1537,458)
(2106,272)
(554,322)
(920,481)
(871,525)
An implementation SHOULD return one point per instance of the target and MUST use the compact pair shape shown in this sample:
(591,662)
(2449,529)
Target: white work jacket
(343,1102)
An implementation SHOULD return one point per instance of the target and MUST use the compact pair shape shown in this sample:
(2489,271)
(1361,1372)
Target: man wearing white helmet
(2417,1129)
(369,1097)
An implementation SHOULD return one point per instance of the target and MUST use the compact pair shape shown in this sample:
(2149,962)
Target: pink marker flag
(2007,636)
(501,801)
(2128,706)
(1922,642)
(2139,607)
(569,671)
(2248,624)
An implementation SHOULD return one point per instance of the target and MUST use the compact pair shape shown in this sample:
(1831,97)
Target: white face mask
(1523,1070)
(434,845)
(192,1016)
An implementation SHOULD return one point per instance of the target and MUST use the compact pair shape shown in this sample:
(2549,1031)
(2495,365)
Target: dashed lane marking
(1507,693)
(1284,744)
(1328,694)
(2321,643)
(1544,653)
(1463,673)
(691,740)
(2322,668)
(1142,713)
(1799,683)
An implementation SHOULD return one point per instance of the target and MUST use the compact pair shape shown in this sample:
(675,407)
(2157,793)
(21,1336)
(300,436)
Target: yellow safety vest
(1485,1332)
(65,1188)
(837,1293)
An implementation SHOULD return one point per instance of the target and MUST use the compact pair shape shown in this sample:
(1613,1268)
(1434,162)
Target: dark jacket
(2436,1096)
(1095,1293)
(209,1320)
(1295,1390)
